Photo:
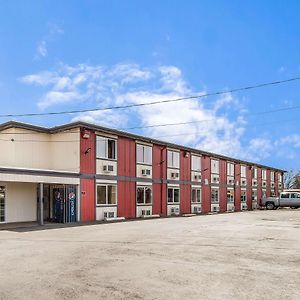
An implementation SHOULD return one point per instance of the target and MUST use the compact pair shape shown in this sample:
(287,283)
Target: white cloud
(41,49)
(207,128)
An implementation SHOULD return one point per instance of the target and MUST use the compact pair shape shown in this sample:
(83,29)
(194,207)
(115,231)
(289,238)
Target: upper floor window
(272,176)
(264,174)
(173,159)
(230,169)
(243,171)
(196,163)
(106,148)
(279,177)
(143,154)
(214,166)
(254,173)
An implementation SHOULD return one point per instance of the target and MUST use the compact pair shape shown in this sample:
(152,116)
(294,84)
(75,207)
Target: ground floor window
(254,196)
(230,196)
(106,194)
(214,196)
(173,195)
(143,195)
(2,204)
(264,194)
(243,196)
(196,195)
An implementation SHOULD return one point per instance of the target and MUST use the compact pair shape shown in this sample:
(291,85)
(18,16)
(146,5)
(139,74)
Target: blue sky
(65,55)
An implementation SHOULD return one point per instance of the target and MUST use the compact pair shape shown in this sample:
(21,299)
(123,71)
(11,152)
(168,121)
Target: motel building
(83,172)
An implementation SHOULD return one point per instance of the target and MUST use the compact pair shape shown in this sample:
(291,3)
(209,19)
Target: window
(173,195)
(214,196)
(196,195)
(295,195)
(143,154)
(196,163)
(243,171)
(105,148)
(2,204)
(254,196)
(230,169)
(214,166)
(264,194)
(264,174)
(143,195)
(254,173)
(243,196)
(272,176)
(173,159)
(279,177)
(285,195)
(230,196)
(106,194)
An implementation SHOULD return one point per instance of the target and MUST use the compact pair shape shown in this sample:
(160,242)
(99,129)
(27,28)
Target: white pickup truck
(289,198)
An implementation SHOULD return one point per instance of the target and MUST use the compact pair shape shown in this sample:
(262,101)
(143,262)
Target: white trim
(106,204)
(5,203)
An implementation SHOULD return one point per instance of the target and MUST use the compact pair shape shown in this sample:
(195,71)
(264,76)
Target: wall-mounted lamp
(186,154)
(87,150)
(85,134)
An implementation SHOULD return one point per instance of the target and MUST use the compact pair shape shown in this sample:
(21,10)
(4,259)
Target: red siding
(88,160)
(237,191)
(87,205)
(126,167)
(223,184)
(259,186)
(206,187)
(159,173)
(185,189)
(276,183)
(249,186)
(88,166)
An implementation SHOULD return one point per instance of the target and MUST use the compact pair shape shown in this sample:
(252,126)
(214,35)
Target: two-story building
(85,172)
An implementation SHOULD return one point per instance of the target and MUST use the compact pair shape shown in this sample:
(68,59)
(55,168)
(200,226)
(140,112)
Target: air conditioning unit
(197,177)
(244,206)
(280,185)
(197,209)
(174,211)
(254,182)
(243,182)
(174,175)
(254,205)
(272,184)
(108,168)
(146,172)
(146,212)
(230,181)
(215,209)
(230,208)
(264,184)
(109,214)
(215,179)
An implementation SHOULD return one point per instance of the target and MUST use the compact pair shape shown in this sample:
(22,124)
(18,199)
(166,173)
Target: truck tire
(270,206)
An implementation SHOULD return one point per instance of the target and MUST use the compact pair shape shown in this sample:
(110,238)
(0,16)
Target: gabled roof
(94,127)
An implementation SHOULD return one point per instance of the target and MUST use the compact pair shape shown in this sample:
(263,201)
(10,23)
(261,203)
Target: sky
(72,55)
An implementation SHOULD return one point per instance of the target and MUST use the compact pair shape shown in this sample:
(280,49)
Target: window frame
(254,173)
(144,187)
(243,171)
(231,191)
(192,165)
(172,152)
(264,174)
(106,193)
(229,165)
(143,154)
(4,201)
(243,196)
(211,166)
(211,194)
(173,189)
(107,139)
(196,189)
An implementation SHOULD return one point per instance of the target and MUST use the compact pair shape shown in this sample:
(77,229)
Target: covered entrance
(59,203)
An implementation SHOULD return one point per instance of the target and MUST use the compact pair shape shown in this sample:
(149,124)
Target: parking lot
(249,255)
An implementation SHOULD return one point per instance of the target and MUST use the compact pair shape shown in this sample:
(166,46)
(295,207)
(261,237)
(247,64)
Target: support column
(41,206)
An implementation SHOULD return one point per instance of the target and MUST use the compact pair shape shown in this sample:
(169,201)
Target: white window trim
(5,203)
(211,162)
(245,168)
(173,167)
(143,147)
(106,139)
(211,196)
(144,187)
(197,189)
(106,185)
(173,188)
(193,169)
(233,168)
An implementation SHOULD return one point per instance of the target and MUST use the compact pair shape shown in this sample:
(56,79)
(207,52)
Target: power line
(154,102)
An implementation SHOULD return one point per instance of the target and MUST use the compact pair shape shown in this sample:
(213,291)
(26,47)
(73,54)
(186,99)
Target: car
(289,198)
